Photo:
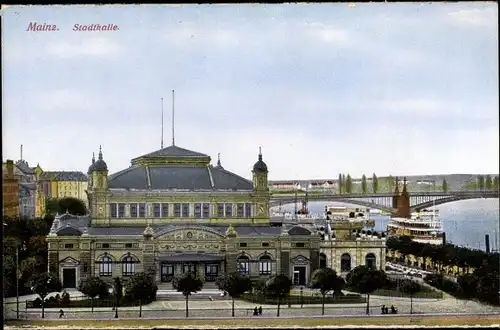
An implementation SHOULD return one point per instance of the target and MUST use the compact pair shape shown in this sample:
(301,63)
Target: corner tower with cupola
(261,188)
(97,193)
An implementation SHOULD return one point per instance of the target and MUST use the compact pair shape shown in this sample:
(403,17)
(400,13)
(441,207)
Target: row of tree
(142,287)
(481,284)
(345,184)
(486,182)
(25,247)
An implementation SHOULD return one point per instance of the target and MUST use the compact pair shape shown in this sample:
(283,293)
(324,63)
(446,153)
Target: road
(203,309)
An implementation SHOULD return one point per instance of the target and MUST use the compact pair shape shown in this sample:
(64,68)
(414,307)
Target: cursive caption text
(35,26)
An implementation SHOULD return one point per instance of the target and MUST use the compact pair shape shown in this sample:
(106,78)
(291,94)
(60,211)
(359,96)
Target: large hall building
(172,211)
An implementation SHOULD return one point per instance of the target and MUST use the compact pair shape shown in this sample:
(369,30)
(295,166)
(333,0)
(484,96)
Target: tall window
(121,210)
(177,210)
(371,261)
(206,210)
(240,210)
(142,210)
(105,268)
(220,210)
(345,262)
(248,210)
(112,208)
(243,265)
(133,210)
(156,210)
(229,210)
(197,210)
(211,273)
(322,260)
(128,266)
(164,210)
(185,210)
(265,265)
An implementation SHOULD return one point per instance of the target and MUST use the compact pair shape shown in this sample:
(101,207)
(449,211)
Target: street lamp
(17,282)
(116,302)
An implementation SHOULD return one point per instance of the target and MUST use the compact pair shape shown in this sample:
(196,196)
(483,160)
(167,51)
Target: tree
(93,287)
(374,183)
(445,185)
(326,279)
(411,288)
(488,183)
(391,183)
(344,183)
(187,284)
(348,184)
(44,284)
(495,183)
(364,186)
(340,184)
(235,285)
(279,286)
(117,289)
(141,287)
(480,182)
(366,280)
(71,205)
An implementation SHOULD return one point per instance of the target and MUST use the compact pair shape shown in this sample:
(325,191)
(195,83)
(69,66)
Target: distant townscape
(385,184)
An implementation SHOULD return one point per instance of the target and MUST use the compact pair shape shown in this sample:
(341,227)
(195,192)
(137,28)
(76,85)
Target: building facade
(173,211)
(10,189)
(60,184)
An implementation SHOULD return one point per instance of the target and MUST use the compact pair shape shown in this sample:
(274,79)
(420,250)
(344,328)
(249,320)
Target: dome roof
(260,166)
(100,165)
(91,167)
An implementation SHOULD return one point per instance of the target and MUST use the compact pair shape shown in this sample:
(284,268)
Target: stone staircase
(209,292)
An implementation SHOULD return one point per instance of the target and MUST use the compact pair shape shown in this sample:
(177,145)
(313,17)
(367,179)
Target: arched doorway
(345,262)
(371,261)
(322,260)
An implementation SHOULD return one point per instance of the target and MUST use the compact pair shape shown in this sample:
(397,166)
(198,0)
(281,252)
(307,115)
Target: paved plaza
(222,308)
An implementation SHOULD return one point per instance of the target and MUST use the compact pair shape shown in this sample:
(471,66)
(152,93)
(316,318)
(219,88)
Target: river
(465,222)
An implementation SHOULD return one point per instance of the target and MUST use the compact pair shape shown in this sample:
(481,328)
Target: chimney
(10,168)
(487,242)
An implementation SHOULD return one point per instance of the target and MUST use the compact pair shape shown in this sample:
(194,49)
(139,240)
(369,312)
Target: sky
(391,89)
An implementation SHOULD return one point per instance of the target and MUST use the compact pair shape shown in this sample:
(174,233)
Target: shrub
(65,299)
(306,300)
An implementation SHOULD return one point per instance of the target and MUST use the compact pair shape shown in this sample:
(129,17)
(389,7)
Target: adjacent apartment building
(60,184)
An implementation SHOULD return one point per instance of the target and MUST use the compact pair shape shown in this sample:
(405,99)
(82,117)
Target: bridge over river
(382,201)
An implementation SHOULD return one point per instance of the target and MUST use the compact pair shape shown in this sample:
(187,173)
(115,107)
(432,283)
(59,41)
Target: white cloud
(327,33)
(68,100)
(99,47)
(486,16)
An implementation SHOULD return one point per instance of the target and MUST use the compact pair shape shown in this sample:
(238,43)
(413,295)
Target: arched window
(128,266)
(345,263)
(371,261)
(243,265)
(322,260)
(265,265)
(105,267)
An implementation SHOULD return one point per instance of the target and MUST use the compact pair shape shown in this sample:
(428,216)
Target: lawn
(268,323)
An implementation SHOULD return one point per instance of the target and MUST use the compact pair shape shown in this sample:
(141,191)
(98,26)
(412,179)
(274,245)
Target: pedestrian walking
(260,310)
(61,313)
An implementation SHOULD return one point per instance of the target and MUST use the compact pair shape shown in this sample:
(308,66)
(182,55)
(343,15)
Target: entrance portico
(203,264)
